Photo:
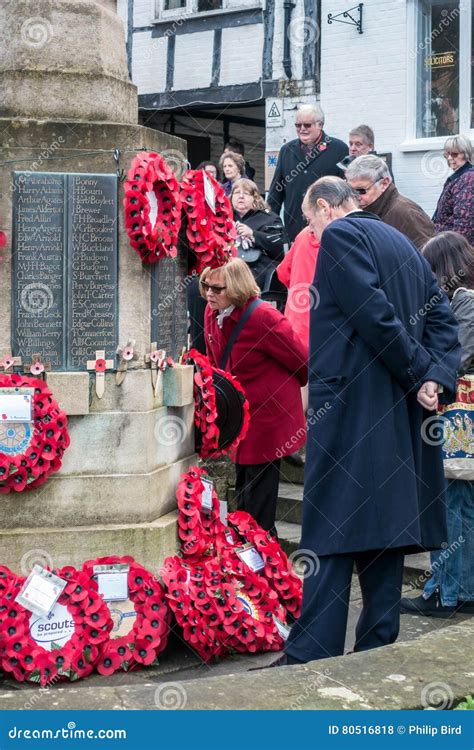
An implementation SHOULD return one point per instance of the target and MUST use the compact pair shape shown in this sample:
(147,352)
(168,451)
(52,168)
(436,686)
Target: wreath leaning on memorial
(152,207)
(199,526)
(31,451)
(141,626)
(210,233)
(81,626)
(206,414)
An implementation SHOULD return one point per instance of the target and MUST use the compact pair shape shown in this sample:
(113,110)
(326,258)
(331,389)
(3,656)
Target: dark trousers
(196,309)
(256,491)
(320,631)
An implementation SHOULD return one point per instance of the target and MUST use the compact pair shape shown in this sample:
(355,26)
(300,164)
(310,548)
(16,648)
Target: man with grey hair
(300,162)
(369,176)
(382,340)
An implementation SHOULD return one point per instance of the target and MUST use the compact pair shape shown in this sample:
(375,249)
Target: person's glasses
(212,288)
(305,125)
(364,191)
(453,154)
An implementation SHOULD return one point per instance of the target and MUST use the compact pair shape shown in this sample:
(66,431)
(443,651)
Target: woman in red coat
(270,362)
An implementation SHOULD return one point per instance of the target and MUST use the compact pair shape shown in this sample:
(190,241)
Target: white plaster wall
(193,60)
(241,59)
(149,62)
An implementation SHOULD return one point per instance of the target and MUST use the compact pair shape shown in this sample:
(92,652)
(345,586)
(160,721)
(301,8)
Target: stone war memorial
(74,293)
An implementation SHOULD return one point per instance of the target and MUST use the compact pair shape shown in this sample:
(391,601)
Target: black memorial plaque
(38,267)
(92,278)
(64,270)
(169,323)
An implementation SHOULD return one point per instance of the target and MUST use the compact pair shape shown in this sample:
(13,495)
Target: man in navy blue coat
(383,339)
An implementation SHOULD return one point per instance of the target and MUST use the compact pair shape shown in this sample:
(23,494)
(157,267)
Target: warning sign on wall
(274,113)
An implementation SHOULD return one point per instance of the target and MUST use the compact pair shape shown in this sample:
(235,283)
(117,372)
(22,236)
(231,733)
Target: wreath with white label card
(152,207)
(137,605)
(65,643)
(33,433)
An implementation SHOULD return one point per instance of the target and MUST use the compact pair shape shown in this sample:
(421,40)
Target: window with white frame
(166,7)
(444,93)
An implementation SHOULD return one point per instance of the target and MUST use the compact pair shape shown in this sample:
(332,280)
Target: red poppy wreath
(199,524)
(152,207)
(140,623)
(210,234)
(206,416)
(31,451)
(277,569)
(218,612)
(64,645)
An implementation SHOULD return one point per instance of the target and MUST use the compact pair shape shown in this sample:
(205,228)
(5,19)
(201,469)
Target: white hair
(368,167)
(312,110)
(462,144)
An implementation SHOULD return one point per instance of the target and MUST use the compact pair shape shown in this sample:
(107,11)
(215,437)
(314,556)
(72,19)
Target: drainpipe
(288,6)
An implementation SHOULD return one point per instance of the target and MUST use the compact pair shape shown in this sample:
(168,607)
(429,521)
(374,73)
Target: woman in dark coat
(451,586)
(271,364)
(260,233)
(455,209)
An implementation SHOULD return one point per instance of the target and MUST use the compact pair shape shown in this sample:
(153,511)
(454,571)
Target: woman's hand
(244,231)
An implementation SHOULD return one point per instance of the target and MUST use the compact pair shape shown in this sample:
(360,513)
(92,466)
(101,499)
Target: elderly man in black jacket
(300,162)
(384,338)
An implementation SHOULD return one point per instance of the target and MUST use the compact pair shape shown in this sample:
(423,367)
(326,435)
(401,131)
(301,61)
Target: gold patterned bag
(458,423)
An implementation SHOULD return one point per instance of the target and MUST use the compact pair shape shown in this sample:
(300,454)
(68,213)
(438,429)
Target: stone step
(290,502)
(289,535)
(290,473)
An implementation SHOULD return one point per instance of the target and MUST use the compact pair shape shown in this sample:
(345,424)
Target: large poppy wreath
(220,612)
(144,617)
(198,529)
(210,234)
(277,571)
(205,407)
(30,452)
(64,646)
(152,207)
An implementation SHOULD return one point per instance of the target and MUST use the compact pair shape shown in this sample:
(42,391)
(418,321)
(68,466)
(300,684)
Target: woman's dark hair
(205,164)
(452,259)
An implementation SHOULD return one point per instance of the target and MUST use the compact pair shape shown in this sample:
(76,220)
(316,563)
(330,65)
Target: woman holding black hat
(256,343)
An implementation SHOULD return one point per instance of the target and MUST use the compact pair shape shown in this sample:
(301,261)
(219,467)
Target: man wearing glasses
(311,155)
(370,178)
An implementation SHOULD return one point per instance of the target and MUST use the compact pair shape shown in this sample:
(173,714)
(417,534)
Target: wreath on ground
(152,207)
(30,452)
(198,528)
(149,612)
(206,414)
(210,234)
(25,658)
(277,570)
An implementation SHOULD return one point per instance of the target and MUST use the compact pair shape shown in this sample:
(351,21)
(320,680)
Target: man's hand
(428,395)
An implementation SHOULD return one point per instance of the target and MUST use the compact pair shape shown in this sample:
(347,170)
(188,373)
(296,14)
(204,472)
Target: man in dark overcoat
(300,162)
(383,339)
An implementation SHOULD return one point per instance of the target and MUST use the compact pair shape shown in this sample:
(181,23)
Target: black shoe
(294,459)
(430,607)
(466,607)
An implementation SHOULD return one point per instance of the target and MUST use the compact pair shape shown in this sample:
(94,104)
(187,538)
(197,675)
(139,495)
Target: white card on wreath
(209,194)
(16,407)
(282,627)
(41,591)
(249,555)
(112,581)
(206,498)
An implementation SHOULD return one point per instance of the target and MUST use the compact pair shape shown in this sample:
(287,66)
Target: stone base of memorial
(115,492)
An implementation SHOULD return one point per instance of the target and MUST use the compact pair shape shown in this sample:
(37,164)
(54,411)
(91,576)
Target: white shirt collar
(223,314)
